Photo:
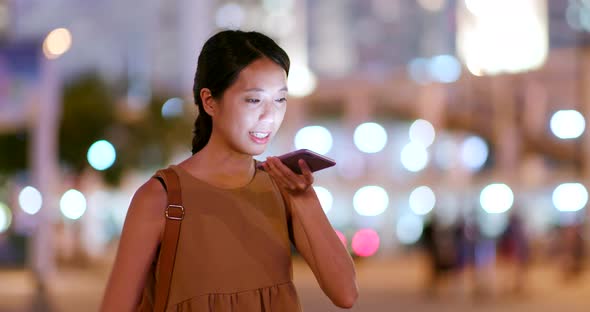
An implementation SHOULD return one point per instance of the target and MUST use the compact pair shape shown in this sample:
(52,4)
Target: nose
(268,112)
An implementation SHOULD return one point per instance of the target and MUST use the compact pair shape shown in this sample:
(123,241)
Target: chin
(253,150)
(257,151)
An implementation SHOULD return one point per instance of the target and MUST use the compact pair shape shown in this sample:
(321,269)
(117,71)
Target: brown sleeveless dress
(234,250)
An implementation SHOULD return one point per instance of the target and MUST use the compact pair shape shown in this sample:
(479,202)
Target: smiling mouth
(260,135)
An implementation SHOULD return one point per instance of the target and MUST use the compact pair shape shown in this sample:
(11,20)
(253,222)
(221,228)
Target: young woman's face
(251,110)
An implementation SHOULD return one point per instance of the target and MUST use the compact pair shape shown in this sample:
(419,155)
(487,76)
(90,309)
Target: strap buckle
(175,216)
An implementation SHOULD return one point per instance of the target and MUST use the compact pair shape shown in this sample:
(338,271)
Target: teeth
(260,135)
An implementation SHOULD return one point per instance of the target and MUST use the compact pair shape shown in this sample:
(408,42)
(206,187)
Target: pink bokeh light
(365,242)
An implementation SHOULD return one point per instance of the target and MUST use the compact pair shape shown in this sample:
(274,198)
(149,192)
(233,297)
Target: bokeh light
(5,217)
(301,81)
(414,157)
(569,197)
(365,242)
(495,37)
(444,68)
(30,200)
(567,124)
(370,137)
(496,198)
(57,42)
(73,204)
(409,229)
(474,153)
(172,108)
(315,138)
(101,155)
(422,200)
(325,197)
(422,132)
(479,7)
(370,200)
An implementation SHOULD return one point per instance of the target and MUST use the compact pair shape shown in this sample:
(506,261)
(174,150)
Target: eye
(253,101)
(282,100)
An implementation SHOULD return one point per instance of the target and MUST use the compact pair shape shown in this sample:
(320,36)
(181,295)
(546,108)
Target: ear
(209,103)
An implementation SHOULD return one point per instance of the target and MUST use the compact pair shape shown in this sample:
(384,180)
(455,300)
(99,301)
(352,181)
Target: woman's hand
(295,184)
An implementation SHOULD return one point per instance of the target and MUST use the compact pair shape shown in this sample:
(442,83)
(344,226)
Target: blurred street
(385,285)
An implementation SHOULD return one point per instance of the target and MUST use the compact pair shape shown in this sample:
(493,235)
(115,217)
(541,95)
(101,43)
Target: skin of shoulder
(141,235)
(149,202)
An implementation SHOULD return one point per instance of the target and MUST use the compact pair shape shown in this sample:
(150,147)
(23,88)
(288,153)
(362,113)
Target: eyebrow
(262,90)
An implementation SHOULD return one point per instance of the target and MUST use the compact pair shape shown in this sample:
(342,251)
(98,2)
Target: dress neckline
(201,181)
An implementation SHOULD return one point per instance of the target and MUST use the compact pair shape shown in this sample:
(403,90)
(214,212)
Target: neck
(218,161)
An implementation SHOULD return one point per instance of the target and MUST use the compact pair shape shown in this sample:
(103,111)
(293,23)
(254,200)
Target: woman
(234,246)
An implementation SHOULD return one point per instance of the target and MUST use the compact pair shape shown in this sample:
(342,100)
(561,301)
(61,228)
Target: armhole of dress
(156,261)
(161,180)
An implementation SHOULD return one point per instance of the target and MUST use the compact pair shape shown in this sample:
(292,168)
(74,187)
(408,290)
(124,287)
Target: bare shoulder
(149,201)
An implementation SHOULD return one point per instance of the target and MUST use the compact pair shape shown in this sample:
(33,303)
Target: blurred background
(458,127)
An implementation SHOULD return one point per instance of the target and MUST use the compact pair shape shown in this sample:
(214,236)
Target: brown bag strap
(174,214)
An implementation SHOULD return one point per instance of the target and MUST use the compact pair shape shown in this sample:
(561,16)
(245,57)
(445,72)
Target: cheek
(279,116)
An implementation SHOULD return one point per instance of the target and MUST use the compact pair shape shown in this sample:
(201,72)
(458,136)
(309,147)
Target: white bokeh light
(230,15)
(370,137)
(325,197)
(570,197)
(172,108)
(101,155)
(496,198)
(422,200)
(73,204)
(57,42)
(567,124)
(444,68)
(502,36)
(30,200)
(370,200)
(301,81)
(5,217)
(422,132)
(409,229)
(315,138)
(474,153)
(414,157)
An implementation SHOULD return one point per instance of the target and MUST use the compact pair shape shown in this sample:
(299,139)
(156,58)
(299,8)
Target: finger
(279,174)
(286,171)
(306,171)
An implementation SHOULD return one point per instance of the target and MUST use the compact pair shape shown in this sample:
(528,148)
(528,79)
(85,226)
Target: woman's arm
(314,236)
(139,241)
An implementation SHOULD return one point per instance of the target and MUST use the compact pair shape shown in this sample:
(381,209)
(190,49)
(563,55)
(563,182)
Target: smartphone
(314,160)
